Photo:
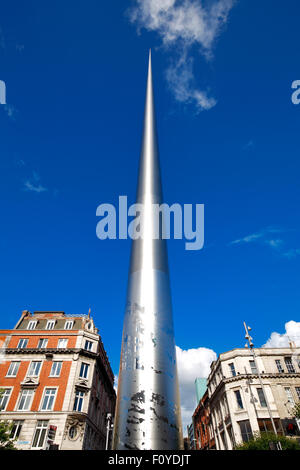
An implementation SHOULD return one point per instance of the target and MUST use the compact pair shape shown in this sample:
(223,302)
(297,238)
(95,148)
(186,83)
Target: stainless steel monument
(148,405)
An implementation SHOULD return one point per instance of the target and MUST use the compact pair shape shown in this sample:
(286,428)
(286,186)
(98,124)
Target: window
(289,395)
(13,369)
(4,397)
(62,343)
(289,365)
(73,432)
(78,403)
(279,366)
(25,400)
(261,397)
(298,392)
(246,431)
(48,400)
(55,369)
(69,325)
(32,325)
(238,399)
(22,343)
(253,367)
(265,425)
(42,344)
(232,369)
(88,345)
(84,370)
(16,429)
(50,325)
(34,369)
(40,434)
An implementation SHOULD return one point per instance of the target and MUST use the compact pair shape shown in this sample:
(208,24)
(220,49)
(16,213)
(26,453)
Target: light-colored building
(56,382)
(238,402)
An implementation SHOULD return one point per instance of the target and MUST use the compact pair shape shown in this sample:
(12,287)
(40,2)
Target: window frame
(29,372)
(49,398)
(50,323)
(78,398)
(22,392)
(253,367)
(42,339)
(91,343)
(9,367)
(261,397)
(85,367)
(52,367)
(3,396)
(71,322)
(289,395)
(17,424)
(289,365)
(30,323)
(236,393)
(62,347)
(280,369)
(39,428)
(20,340)
(232,369)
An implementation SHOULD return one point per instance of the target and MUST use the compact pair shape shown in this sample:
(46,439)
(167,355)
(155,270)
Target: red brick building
(56,382)
(202,425)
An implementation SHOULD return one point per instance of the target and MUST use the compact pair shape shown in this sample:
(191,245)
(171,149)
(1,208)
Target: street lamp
(109,427)
(251,346)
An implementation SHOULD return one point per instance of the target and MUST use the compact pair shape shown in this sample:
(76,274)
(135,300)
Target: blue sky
(70,137)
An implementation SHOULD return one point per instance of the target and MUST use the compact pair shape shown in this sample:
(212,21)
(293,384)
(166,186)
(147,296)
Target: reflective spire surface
(148,405)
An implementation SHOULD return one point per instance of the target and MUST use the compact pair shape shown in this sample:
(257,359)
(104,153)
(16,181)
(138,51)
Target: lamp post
(251,346)
(109,427)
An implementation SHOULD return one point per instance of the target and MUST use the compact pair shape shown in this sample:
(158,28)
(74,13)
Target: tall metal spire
(148,406)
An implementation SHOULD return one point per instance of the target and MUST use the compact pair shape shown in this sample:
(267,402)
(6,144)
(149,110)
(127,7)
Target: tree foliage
(262,441)
(6,443)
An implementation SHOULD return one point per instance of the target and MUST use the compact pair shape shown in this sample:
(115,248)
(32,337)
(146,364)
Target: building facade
(237,403)
(57,386)
(204,436)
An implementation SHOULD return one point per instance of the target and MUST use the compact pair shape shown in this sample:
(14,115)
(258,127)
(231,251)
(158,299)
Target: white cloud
(182,24)
(116,381)
(281,340)
(262,235)
(265,237)
(34,185)
(191,363)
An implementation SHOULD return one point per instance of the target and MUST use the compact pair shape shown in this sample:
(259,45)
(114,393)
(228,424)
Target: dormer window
(69,325)
(50,325)
(32,325)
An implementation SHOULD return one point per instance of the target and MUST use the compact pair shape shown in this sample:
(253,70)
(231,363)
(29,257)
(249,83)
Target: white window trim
(30,367)
(35,429)
(43,396)
(62,339)
(92,345)
(83,401)
(71,322)
(44,347)
(50,322)
(22,339)
(88,370)
(13,376)
(32,322)
(9,396)
(51,375)
(19,399)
